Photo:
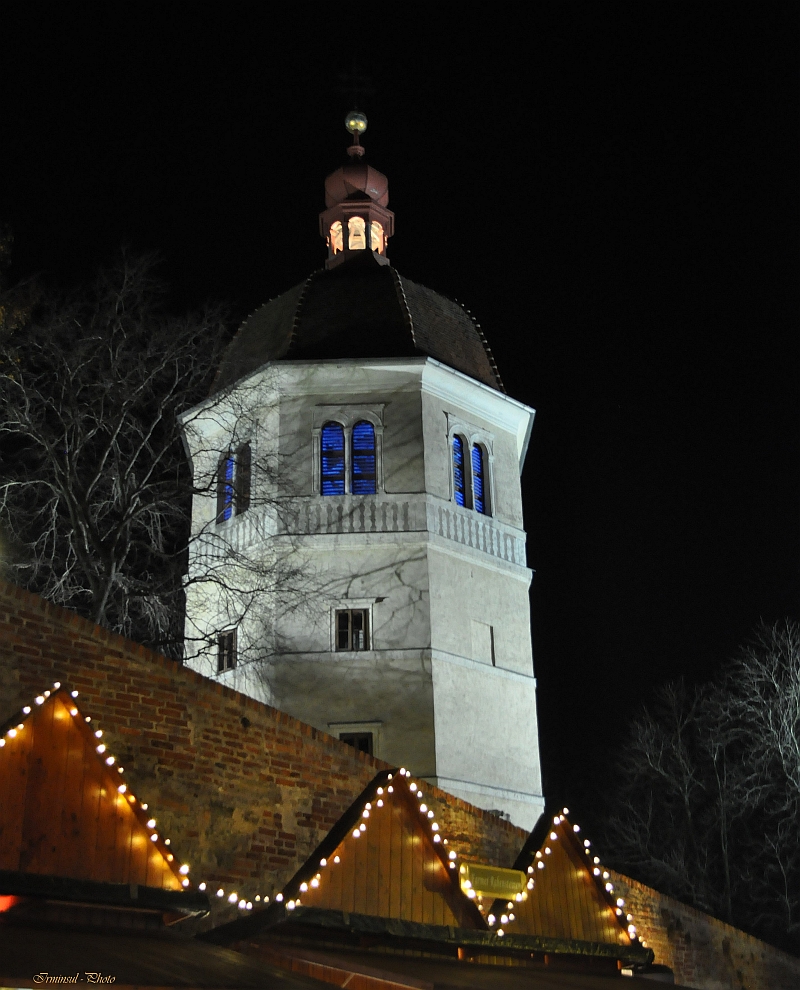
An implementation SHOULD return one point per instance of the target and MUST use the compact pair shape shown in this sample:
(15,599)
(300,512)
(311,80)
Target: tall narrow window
(376,236)
(226,651)
(357,230)
(242,479)
(363,459)
(233,483)
(225,497)
(478,486)
(458,471)
(332,439)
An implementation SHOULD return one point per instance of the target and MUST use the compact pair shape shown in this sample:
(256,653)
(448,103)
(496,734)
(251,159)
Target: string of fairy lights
(371,807)
(140,809)
(601,875)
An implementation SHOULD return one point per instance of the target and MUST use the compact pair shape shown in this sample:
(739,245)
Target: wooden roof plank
(15,755)
(48,767)
(373,840)
(396,852)
(385,865)
(70,844)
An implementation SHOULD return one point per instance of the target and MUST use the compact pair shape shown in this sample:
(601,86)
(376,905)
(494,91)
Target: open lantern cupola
(356,218)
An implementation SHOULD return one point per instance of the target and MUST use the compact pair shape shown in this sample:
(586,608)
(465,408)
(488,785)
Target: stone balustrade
(404,514)
(378,514)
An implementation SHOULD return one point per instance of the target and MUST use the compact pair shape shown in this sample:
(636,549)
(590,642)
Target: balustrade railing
(376,514)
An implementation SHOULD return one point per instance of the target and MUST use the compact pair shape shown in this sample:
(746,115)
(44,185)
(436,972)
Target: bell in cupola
(356,219)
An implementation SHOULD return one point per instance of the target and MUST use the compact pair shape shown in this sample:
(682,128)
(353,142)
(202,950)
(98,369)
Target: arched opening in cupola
(336,237)
(357,229)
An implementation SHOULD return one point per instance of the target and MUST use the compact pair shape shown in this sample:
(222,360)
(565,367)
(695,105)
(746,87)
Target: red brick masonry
(703,951)
(244,792)
(246,802)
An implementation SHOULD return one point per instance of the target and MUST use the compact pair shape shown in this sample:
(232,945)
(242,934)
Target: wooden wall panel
(43,772)
(392,870)
(394,876)
(72,804)
(137,867)
(121,856)
(14,760)
(566,901)
(106,824)
(373,839)
(363,873)
(384,879)
(61,812)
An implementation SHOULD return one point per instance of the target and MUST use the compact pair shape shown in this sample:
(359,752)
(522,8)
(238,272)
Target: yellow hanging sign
(491,881)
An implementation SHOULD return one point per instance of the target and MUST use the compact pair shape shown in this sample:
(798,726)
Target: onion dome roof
(356,180)
(362,309)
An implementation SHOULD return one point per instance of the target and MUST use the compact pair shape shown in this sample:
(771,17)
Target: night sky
(611,190)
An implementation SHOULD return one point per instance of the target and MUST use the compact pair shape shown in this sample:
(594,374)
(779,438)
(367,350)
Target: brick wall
(702,951)
(243,804)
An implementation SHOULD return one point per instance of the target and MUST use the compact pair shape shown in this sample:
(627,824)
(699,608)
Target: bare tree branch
(707,800)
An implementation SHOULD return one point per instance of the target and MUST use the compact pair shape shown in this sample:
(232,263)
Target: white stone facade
(446,686)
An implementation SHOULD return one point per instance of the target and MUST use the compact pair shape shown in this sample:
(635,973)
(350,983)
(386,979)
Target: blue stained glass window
(225,488)
(333,459)
(478,495)
(227,507)
(458,470)
(363,459)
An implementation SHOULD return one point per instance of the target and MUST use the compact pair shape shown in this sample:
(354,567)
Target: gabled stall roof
(385,858)
(569,893)
(65,809)
(385,875)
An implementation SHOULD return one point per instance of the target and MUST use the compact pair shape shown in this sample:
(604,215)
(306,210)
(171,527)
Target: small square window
(226,650)
(352,629)
(362,741)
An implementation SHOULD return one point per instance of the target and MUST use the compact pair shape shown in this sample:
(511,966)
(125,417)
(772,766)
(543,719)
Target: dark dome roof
(361,309)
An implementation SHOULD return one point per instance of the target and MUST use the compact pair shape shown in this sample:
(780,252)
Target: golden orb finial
(356,122)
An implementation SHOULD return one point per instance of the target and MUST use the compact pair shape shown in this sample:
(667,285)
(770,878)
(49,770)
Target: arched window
(459,488)
(478,479)
(364,477)
(376,236)
(332,440)
(358,234)
(337,241)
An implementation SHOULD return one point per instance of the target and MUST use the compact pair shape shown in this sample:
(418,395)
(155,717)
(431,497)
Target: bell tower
(356,217)
(397,505)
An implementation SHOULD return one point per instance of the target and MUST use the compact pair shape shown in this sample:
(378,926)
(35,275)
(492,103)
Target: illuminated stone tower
(396,500)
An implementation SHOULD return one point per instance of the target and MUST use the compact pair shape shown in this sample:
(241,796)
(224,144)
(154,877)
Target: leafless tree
(760,693)
(763,684)
(706,805)
(96,490)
